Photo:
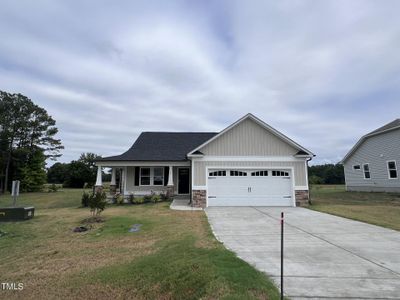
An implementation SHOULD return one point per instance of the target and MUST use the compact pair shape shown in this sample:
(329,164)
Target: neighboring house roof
(302,151)
(162,146)
(388,127)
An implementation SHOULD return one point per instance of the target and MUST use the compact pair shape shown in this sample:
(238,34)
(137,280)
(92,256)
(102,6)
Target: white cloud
(319,71)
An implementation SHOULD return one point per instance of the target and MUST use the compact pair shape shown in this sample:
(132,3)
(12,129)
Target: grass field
(381,209)
(174,256)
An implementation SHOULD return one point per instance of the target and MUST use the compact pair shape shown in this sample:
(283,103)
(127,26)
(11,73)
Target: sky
(323,73)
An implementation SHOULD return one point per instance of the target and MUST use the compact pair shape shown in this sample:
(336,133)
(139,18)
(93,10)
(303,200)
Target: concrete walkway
(326,257)
(182,204)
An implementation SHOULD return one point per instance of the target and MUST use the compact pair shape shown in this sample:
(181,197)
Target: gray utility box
(16,213)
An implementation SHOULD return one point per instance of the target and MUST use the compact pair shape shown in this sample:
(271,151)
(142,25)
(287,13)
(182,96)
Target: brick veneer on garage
(302,198)
(199,198)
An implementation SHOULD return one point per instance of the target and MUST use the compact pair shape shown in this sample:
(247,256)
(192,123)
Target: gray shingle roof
(388,126)
(162,146)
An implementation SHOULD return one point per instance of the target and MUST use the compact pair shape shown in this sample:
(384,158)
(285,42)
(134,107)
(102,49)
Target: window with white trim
(158,176)
(357,167)
(144,176)
(260,173)
(280,173)
(367,173)
(392,169)
(217,173)
(237,173)
(151,176)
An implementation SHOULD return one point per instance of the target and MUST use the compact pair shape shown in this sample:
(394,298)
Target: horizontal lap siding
(375,151)
(248,139)
(199,171)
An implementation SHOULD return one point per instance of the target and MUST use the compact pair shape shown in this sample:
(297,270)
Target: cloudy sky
(322,72)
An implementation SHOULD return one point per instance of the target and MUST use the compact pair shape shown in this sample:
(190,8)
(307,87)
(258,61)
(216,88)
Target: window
(280,173)
(392,169)
(152,176)
(367,173)
(144,176)
(238,173)
(158,176)
(259,173)
(357,167)
(217,173)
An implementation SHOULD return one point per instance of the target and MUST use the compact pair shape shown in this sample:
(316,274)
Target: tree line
(27,139)
(326,174)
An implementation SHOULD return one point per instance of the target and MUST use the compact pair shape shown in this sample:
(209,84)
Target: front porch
(144,178)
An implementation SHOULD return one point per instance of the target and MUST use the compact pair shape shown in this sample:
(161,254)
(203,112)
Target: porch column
(170,184)
(99,182)
(113,184)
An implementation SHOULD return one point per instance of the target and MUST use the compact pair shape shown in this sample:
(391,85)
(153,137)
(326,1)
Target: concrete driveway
(325,256)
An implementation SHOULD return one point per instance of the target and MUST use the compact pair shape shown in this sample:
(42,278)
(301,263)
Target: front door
(183,181)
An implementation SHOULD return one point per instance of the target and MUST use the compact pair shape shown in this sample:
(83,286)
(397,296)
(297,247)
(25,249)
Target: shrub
(97,202)
(147,198)
(131,198)
(155,198)
(52,188)
(164,197)
(138,200)
(85,199)
(118,199)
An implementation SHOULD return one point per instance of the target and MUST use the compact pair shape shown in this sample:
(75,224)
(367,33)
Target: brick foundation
(199,198)
(302,198)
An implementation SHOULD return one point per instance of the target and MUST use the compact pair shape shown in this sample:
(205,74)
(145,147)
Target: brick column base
(170,191)
(98,188)
(199,198)
(113,189)
(302,198)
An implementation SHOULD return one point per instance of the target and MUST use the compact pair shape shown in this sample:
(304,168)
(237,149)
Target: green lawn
(381,209)
(174,256)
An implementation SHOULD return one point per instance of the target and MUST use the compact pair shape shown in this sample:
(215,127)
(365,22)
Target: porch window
(144,176)
(158,178)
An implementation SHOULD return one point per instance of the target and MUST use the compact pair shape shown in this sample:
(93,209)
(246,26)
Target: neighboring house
(248,163)
(372,164)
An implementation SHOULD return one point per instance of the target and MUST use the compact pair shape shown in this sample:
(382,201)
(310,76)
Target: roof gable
(395,124)
(278,138)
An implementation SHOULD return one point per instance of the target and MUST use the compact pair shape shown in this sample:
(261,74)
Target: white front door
(230,187)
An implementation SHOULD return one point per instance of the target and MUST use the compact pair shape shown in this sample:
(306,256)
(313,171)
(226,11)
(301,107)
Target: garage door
(250,188)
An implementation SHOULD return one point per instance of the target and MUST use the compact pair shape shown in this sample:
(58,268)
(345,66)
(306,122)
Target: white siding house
(248,163)
(373,163)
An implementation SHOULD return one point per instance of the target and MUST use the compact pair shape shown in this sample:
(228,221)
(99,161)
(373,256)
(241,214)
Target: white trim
(301,188)
(151,176)
(369,171)
(99,178)
(250,158)
(125,178)
(199,187)
(395,169)
(142,163)
(177,180)
(291,169)
(262,124)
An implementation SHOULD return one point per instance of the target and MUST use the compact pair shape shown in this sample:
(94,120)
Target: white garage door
(250,188)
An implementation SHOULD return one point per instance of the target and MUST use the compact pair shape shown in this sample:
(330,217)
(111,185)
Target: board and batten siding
(200,176)
(375,151)
(248,139)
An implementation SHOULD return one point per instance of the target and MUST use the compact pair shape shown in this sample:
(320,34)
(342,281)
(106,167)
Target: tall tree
(26,128)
